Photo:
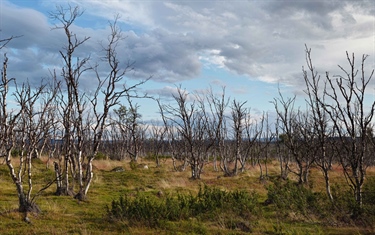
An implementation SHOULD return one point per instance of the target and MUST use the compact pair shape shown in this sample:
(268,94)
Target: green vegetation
(287,196)
(159,200)
(234,208)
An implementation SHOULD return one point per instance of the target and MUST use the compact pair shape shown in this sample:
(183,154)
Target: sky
(252,48)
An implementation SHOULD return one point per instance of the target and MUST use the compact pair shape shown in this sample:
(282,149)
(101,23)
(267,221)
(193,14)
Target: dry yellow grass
(107,164)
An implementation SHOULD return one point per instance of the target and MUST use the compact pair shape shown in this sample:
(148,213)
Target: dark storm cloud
(167,56)
(29,23)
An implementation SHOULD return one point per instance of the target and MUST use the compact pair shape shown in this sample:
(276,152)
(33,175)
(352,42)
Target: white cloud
(175,40)
(212,58)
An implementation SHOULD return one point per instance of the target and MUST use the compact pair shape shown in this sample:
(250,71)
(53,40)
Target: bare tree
(30,124)
(76,102)
(217,130)
(117,132)
(109,89)
(320,122)
(238,114)
(174,142)
(158,141)
(211,124)
(252,132)
(351,115)
(288,124)
(135,130)
(341,102)
(35,125)
(296,136)
(263,138)
(73,105)
(307,146)
(8,124)
(190,125)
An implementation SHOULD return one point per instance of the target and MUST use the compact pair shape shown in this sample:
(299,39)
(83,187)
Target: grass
(64,215)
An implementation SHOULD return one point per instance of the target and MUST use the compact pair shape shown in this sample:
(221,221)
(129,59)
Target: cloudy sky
(250,47)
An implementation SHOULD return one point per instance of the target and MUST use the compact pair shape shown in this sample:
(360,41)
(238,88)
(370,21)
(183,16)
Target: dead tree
(30,125)
(71,99)
(351,115)
(117,132)
(211,124)
(238,114)
(76,101)
(281,152)
(263,138)
(8,125)
(35,126)
(54,136)
(190,125)
(173,141)
(157,141)
(320,121)
(112,88)
(296,136)
(307,145)
(217,130)
(290,138)
(252,133)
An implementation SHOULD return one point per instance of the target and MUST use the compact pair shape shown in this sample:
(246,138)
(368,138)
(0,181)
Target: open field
(64,215)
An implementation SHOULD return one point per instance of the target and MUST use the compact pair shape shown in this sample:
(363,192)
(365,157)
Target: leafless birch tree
(111,88)
(288,125)
(238,114)
(217,131)
(73,105)
(352,115)
(190,125)
(320,122)
(28,126)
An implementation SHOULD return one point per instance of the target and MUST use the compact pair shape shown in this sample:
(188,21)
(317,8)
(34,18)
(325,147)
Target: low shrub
(150,211)
(344,204)
(101,156)
(288,196)
(17,152)
(368,201)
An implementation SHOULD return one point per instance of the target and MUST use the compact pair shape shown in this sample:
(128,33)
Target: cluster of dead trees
(72,127)
(200,128)
(335,126)
(59,118)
